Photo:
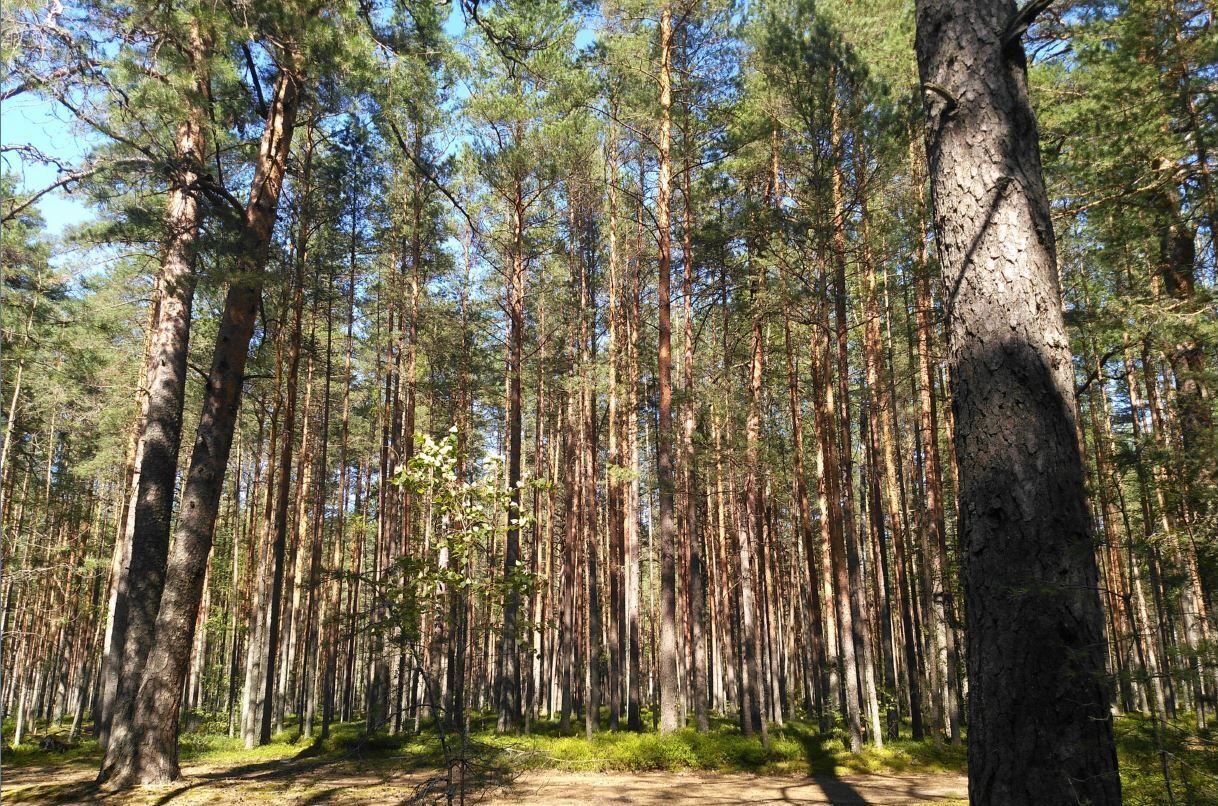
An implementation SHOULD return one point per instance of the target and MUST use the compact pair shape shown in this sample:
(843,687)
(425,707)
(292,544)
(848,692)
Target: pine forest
(416,397)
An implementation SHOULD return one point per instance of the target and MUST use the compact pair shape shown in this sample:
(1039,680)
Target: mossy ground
(1190,756)
(796,748)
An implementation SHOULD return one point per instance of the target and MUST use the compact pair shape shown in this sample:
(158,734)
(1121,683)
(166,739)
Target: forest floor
(720,767)
(544,767)
(294,782)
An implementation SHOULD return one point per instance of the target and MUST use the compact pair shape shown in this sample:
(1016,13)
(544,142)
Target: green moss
(1189,756)
(797,748)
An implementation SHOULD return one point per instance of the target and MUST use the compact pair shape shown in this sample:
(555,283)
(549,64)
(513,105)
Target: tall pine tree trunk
(696,577)
(666,475)
(509,673)
(282,496)
(1040,730)
(815,629)
(142,578)
(148,752)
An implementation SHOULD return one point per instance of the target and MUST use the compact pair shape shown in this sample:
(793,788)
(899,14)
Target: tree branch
(427,174)
(1023,20)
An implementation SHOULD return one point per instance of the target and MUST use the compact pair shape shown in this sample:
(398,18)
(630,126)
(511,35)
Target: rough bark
(1040,730)
(141,580)
(666,477)
(148,752)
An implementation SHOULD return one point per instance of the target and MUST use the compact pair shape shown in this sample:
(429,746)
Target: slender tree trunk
(819,671)
(1187,358)
(946,660)
(752,712)
(509,676)
(633,583)
(884,428)
(567,637)
(618,647)
(588,508)
(860,623)
(832,526)
(668,676)
(283,493)
(696,577)
(337,555)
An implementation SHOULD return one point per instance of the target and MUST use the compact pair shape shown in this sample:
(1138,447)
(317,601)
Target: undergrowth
(797,748)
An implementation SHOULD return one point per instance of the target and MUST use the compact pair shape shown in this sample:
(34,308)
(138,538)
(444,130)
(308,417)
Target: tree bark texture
(1040,730)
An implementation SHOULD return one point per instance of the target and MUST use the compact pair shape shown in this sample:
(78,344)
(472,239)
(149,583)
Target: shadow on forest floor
(319,771)
(352,766)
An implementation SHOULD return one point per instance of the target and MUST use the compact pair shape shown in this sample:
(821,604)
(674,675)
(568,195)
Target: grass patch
(1191,758)
(796,748)
(31,755)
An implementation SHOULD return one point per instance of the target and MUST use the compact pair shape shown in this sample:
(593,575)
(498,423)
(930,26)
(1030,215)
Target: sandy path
(711,789)
(295,782)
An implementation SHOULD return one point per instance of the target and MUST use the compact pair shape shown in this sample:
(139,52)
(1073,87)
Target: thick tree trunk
(116,609)
(148,752)
(141,579)
(1040,730)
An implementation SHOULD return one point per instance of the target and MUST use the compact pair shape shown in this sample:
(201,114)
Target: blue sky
(31,120)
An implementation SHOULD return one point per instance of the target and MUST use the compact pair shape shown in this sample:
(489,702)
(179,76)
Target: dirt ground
(711,789)
(301,782)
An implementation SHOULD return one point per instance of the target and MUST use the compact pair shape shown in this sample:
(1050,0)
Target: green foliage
(469,512)
(796,748)
(1145,750)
